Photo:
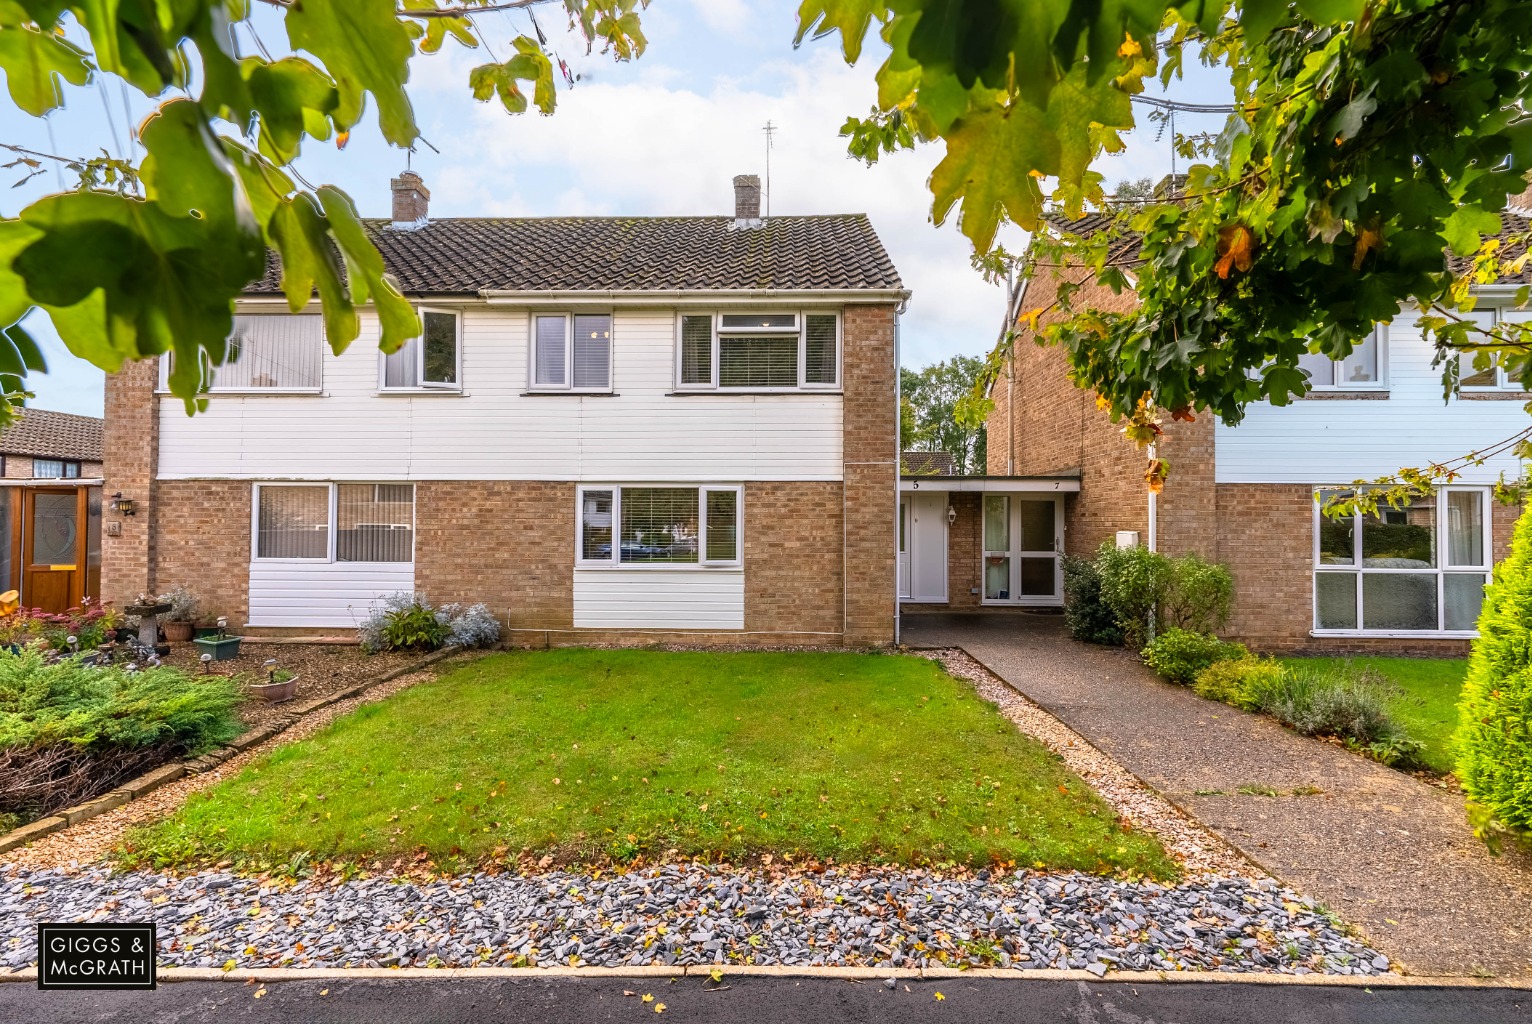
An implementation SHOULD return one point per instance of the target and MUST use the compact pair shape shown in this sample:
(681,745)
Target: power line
(1193,108)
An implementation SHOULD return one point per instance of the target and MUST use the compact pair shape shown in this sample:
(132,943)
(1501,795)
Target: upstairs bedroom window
(659,526)
(431,362)
(1362,370)
(270,352)
(1482,373)
(335,522)
(1421,568)
(571,352)
(770,351)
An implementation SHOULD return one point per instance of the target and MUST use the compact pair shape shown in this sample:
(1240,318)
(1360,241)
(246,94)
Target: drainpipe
(898,467)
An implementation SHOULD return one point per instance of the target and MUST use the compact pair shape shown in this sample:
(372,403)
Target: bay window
(1420,568)
(326,522)
(659,526)
(768,351)
(430,362)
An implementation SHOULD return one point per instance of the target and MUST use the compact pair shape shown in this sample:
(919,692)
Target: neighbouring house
(612,429)
(50,508)
(917,463)
(1405,581)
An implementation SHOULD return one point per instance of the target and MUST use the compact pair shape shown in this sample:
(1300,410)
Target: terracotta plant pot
(274,693)
(176,632)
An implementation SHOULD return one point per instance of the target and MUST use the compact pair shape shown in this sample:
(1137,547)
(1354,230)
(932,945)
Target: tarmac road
(765,1000)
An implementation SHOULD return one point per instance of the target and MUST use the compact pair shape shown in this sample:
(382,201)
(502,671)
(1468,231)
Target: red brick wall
(870,432)
(793,559)
(130,446)
(202,542)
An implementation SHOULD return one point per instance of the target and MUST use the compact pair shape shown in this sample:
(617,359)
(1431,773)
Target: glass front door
(1022,538)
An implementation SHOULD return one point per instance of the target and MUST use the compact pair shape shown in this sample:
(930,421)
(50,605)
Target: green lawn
(586,754)
(1424,698)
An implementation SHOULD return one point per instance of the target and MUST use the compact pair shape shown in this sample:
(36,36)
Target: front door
(53,549)
(928,547)
(1023,535)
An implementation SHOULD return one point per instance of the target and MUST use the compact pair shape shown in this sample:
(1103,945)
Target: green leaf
(530,65)
(368,277)
(20,353)
(1464,228)
(132,38)
(366,49)
(187,173)
(1329,12)
(14,300)
(294,98)
(1259,17)
(34,62)
(310,262)
(851,18)
(991,157)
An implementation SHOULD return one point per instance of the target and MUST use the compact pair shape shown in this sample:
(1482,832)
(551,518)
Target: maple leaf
(1236,249)
(1370,238)
(1155,474)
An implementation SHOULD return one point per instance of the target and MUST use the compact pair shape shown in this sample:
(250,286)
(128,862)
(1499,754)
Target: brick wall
(130,445)
(202,542)
(509,544)
(793,559)
(870,434)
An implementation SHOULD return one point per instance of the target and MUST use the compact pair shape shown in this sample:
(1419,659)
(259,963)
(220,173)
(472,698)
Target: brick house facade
(1245,495)
(632,499)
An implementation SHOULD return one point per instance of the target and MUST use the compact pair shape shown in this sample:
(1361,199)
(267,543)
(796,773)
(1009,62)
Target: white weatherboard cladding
(494,432)
(659,599)
(1339,440)
(322,594)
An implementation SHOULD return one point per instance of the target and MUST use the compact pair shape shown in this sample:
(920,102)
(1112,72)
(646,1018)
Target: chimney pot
(747,201)
(411,200)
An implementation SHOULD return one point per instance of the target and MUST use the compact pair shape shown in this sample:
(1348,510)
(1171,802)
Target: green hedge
(1179,655)
(1494,736)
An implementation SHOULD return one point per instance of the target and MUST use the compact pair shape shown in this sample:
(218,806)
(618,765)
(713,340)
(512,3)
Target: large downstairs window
(659,526)
(1417,569)
(769,351)
(335,522)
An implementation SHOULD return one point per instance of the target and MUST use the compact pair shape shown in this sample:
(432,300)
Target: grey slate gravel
(689,914)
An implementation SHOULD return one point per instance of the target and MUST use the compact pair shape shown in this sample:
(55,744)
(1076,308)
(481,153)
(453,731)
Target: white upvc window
(333,522)
(659,525)
(1416,570)
(771,350)
(276,353)
(1481,371)
(571,352)
(1365,369)
(431,362)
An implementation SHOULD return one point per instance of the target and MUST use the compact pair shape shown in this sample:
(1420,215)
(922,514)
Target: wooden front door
(53,548)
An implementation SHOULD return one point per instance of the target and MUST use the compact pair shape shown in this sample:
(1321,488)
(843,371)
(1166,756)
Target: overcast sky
(662,135)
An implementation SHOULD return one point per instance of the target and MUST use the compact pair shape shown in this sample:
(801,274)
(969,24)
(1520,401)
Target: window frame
(165,367)
(703,563)
(421,385)
(1380,340)
(1439,569)
(568,385)
(1502,384)
(333,524)
(64,467)
(801,316)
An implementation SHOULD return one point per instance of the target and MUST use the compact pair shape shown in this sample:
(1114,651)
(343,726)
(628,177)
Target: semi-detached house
(611,429)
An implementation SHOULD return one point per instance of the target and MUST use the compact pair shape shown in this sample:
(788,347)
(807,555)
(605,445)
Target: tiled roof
(1513,222)
(1088,225)
(927,463)
(463,255)
(53,435)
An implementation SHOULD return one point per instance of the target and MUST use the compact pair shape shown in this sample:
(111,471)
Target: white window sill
(691,392)
(257,393)
(1396,634)
(656,567)
(417,392)
(569,393)
(1334,394)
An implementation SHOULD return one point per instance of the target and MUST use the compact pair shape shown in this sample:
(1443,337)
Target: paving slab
(1383,850)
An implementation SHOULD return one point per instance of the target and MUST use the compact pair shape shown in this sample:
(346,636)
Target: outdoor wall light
(951,515)
(121,505)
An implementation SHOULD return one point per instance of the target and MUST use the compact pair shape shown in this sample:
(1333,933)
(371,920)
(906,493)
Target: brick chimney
(747,201)
(411,201)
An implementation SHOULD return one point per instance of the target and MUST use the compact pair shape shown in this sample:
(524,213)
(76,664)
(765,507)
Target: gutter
(701,297)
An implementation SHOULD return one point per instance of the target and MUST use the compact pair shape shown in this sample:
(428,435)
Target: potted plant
(221,645)
(280,685)
(178,622)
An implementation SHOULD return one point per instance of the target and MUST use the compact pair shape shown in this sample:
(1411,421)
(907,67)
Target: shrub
(70,731)
(409,622)
(1133,585)
(1198,595)
(184,605)
(1179,654)
(1085,612)
(474,626)
(1494,738)
(1335,702)
(1237,681)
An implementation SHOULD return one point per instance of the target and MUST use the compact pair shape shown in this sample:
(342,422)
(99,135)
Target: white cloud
(729,16)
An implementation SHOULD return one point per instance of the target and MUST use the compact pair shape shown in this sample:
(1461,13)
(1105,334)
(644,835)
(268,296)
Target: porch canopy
(984,483)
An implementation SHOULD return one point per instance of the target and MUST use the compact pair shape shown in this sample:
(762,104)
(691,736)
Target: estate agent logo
(95,956)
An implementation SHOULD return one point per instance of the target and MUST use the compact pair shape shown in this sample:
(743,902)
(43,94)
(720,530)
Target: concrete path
(1382,850)
(755,1000)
